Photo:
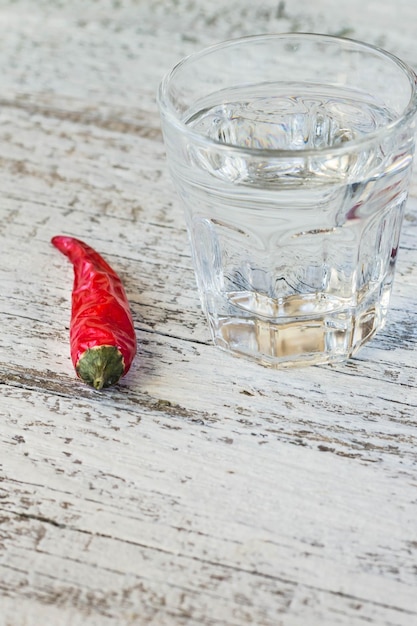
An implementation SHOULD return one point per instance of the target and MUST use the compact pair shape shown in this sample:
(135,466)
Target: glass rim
(402,119)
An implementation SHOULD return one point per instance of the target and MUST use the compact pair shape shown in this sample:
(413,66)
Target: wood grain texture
(202,490)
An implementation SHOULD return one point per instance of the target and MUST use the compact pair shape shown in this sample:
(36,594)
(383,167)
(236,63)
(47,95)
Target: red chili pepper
(102,335)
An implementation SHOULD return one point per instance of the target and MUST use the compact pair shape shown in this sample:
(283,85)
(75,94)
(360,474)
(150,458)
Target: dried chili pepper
(102,336)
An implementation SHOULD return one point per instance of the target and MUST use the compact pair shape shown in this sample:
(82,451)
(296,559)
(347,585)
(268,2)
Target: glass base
(329,338)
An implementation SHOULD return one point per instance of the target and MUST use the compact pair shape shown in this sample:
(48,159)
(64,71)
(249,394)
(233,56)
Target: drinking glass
(292,156)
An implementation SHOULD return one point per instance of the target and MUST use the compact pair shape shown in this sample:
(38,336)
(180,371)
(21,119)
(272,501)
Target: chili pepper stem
(101,366)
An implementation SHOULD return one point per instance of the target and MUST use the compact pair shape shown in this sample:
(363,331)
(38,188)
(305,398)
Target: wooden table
(202,490)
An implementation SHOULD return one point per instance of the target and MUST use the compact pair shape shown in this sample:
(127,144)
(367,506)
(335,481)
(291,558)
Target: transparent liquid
(279,118)
(294,257)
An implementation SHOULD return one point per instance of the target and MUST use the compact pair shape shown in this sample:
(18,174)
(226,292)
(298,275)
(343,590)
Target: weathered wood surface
(202,490)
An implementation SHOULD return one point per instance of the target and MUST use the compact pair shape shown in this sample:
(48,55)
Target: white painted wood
(203,490)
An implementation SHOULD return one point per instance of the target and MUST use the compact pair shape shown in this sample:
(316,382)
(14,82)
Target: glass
(292,155)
